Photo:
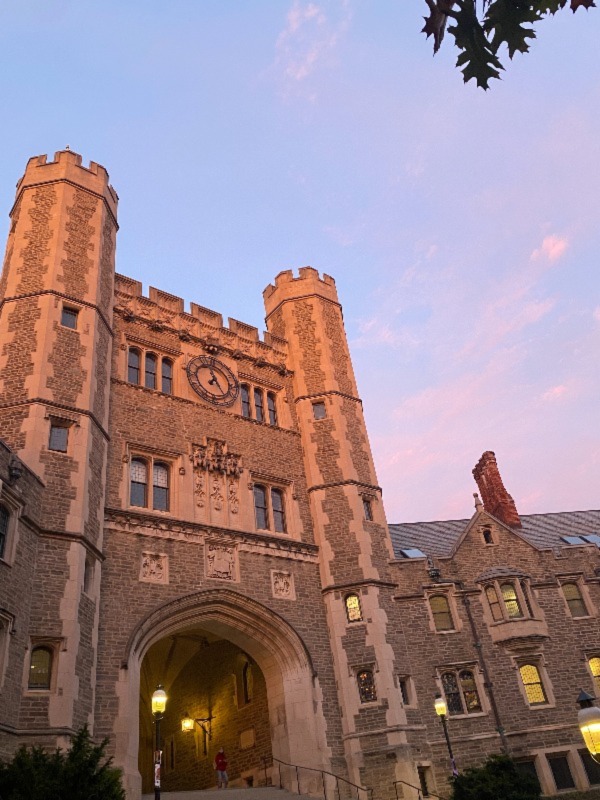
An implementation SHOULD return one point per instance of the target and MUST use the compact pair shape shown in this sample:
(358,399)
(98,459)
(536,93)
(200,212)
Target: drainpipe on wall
(486,675)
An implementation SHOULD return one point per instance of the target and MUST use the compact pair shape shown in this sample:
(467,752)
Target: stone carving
(283,585)
(234,500)
(221,561)
(154,568)
(216,494)
(213,461)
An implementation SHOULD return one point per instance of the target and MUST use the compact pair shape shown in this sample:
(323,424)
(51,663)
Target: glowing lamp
(589,723)
(441,709)
(187,723)
(159,700)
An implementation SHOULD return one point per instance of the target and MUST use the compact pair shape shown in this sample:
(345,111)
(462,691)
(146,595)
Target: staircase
(255,793)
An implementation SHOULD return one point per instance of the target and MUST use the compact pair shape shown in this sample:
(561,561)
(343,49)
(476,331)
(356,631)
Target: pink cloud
(552,248)
(597,313)
(555,392)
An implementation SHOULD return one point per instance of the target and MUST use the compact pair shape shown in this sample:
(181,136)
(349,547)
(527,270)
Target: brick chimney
(496,500)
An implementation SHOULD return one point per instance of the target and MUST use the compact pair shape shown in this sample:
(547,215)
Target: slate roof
(542,530)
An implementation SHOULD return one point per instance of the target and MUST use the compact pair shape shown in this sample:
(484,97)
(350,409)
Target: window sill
(445,633)
(475,715)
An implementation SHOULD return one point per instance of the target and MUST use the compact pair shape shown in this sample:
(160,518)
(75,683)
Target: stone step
(255,793)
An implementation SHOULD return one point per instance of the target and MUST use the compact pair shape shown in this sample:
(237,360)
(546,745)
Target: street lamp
(589,724)
(441,710)
(159,703)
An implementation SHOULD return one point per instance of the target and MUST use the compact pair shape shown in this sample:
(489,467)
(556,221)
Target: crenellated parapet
(67,166)
(165,312)
(308,283)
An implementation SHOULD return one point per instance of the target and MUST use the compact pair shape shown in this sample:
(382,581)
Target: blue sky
(461,226)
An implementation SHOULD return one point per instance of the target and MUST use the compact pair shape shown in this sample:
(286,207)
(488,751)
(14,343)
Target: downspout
(486,675)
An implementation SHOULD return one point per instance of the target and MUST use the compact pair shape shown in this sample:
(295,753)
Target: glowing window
(40,668)
(353,610)
(366,686)
(594,664)
(511,601)
(534,689)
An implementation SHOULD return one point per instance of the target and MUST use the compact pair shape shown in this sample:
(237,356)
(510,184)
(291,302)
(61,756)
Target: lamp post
(159,703)
(588,719)
(441,710)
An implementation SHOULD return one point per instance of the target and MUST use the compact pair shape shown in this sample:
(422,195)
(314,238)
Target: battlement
(288,287)
(164,311)
(67,166)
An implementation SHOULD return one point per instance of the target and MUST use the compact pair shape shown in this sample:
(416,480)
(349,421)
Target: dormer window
(488,536)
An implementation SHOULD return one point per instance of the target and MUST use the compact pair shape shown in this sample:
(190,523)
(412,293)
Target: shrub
(81,773)
(497,779)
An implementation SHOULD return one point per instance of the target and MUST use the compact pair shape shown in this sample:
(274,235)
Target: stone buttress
(56,297)
(349,520)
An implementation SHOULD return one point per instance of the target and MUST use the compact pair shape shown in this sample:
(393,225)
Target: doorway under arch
(245,629)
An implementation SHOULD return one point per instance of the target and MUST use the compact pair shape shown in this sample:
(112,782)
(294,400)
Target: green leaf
(477,56)
(508,19)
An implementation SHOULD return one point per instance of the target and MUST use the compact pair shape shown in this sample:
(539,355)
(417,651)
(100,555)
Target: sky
(461,226)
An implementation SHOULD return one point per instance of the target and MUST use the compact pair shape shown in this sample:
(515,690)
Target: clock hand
(214,380)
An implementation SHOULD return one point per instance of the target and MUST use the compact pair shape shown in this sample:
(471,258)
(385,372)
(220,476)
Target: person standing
(221,768)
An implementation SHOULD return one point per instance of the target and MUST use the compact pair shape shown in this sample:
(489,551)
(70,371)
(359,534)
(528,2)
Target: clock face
(213,380)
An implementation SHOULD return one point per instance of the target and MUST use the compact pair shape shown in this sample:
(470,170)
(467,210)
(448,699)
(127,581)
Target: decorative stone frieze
(154,568)
(282,584)
(221,561)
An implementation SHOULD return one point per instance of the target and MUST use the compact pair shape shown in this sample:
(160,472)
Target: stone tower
(56,298)
(349,519)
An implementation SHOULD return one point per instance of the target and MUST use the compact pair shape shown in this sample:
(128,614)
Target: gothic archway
(297,729)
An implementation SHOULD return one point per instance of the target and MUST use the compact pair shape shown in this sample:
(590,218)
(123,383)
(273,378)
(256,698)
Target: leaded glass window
(260,507)
(452,693)
(511,601)
(160,487)
(278,510)
(133,365)
(594,664)
(4,520)
(272,408)
(492,598)
(366,686)
(442,617)
(353,610)
(40,668)
(469,691)
(138,495)
(534,689)
(574,600)
(167,376)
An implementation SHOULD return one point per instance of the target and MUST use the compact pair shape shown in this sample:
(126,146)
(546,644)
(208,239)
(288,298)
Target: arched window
(511,601)
(442,616)
(460,691)
(259,412)
(492,598)
(247,682)
(4,520)
(40,668)
(150,376)
(272,408)
(167,376)
(138,493)
(487,536)
(366,686)
(469,691)
(260,507)
(278,510)
(353,610)
(245,395)
(160,487)
(133,365)
(594,664)
(534,689)
(574,600)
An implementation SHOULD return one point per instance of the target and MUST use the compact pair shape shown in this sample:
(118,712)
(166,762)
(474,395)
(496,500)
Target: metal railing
(420,794)
(315,782)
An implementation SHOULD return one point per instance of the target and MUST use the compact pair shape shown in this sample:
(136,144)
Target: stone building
(185,503)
